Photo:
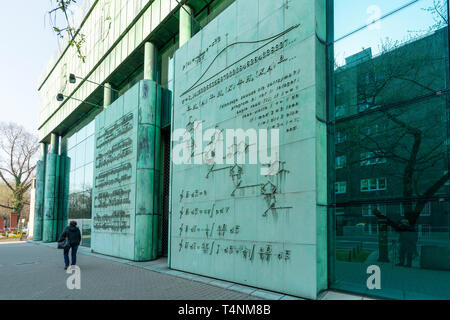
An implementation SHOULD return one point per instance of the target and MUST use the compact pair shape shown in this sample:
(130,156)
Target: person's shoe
(65,268)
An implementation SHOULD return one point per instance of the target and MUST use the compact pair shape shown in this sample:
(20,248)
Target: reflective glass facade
(81,153)
(389,103)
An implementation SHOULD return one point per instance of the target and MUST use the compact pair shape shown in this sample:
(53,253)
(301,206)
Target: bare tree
(17,164)
(439,12)
(400,91)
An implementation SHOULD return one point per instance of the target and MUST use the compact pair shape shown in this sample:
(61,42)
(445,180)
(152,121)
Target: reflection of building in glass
(396,129)
(393,113)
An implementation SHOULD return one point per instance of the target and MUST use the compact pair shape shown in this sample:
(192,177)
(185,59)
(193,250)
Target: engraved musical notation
(118,221)
(113,198)
(114,176)
(120,127)
(118,151)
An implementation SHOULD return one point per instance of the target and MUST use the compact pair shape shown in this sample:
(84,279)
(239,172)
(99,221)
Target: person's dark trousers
(74,255)
(405,252)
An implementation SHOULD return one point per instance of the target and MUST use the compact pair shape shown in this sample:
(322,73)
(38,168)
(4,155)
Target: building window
(341,162)
(373,228)
(363,107)
(448,181)
(340,111)
(426,212)
(340,137)
(376,184)
(424,231)
(373,130)
(341,187)
(367,210)
(372,158)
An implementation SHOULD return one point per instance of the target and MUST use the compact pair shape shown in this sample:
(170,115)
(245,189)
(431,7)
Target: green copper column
(185,24)
(149,61)
(107,95)
(63,199)
(148,172)
(40,193)
(51,192)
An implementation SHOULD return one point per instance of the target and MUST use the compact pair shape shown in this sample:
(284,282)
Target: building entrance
(165,139)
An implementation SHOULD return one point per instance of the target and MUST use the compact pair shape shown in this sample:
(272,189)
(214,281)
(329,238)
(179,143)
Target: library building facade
(295,146)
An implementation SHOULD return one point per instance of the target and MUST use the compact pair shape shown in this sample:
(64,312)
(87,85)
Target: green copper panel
(258,65)
(51,199)
(39,201)
(127,152)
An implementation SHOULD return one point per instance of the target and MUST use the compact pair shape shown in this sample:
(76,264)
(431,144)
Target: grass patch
(349,256)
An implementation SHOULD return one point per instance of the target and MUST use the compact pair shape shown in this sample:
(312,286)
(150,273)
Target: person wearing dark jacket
(73,234)
(407,237)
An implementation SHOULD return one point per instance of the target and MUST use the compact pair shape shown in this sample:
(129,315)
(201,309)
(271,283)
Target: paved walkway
(35,271)
(29,271)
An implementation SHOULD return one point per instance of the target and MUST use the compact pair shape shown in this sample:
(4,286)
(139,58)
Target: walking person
(408,238)
(73,234)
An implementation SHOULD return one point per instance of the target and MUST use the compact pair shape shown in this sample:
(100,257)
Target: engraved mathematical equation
(209,212)
(261,90)
(209,231)
(264,253)
(201,56)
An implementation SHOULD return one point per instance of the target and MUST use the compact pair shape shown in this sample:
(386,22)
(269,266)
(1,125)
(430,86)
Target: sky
(412,21)
(28,43)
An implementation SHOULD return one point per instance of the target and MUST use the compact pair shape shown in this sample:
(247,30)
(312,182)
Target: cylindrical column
(51,192)
(185,24)
(149,61)
(63,199)
(107,95)
(40,194)
(54,141)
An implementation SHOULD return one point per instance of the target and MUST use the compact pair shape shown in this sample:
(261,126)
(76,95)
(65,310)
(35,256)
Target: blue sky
(410,22)
(28,43)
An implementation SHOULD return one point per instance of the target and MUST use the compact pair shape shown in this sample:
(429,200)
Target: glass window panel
(90,128)
(81,156)
(88,177)
(89,150)
(393,80)
(350,15)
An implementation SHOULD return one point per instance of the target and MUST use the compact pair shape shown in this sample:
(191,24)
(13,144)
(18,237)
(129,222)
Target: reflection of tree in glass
(439,12)
(80,205)
(397,106)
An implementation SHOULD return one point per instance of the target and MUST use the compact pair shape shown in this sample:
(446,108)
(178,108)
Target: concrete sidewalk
(34,270)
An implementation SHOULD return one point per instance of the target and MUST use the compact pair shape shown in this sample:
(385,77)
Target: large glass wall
(389,103)
(81,152)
